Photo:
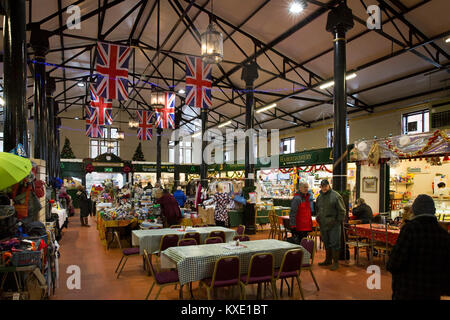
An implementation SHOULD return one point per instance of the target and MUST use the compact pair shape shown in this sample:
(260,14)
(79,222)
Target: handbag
(21,208)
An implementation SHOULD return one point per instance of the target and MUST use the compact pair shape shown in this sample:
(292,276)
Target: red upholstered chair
(310,246)
(187,242)
(260,271)
(192,235)
(290,268)
(162,279)
(217,234)
(240,230)
(241,238)
(126,253)
(226,273)
(211,240)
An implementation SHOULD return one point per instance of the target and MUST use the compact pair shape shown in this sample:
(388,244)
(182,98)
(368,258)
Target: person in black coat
(420,260)
(85,206)
(362,211)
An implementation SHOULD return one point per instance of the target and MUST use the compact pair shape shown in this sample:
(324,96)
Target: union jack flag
(165,118)
(112,68)
(102,109)
(93,130)
(198,83)
(145,132)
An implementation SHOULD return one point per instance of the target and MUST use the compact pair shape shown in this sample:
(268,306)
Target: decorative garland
(420,152)
(306,169)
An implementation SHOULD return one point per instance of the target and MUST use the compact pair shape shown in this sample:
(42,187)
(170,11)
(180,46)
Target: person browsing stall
(180,197)
(330,215)
(221,200)
(302,208)
(170,211)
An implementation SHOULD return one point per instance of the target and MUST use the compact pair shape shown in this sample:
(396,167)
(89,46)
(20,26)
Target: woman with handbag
(84,206)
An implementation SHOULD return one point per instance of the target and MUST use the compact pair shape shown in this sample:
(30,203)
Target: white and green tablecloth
(195,263)
(151,239)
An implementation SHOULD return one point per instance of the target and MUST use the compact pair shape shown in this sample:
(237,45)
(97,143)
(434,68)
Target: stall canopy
(436,143)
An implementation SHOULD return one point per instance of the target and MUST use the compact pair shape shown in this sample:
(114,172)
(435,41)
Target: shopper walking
(302,207)
(330,215)
(221,200)
(180,197)
(420,259)
(362,211)
(85,206)
(170,211)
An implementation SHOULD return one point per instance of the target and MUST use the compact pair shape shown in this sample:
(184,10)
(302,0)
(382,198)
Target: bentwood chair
(162,279)
(175,226)
(352,240)
(241,238)
(310,246)
(273,229)
(220,234)
(211,240)
(291,266)
(240,230)
(126,253)
(192,235)
(187,242)
(261,270)
(226,273)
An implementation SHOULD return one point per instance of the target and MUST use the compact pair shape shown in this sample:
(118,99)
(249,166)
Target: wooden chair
(192,235)
(352,240)
(272,231)
(383,248)
(315,234)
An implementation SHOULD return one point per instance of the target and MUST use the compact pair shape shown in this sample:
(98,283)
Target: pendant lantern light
(212,43)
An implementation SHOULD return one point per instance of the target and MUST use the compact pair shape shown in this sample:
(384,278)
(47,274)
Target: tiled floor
(81,246)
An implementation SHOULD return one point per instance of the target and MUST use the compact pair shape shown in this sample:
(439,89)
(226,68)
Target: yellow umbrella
(13,169)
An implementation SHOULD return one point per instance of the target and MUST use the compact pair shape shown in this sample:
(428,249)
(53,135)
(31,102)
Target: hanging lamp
(212,42)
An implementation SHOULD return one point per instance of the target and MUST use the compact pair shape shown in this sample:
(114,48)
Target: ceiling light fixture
(212,42)
(181,91)
(224,124)
(297,6)
(331,83)
(76,118)
(273,105)
(80,84)
(447,40)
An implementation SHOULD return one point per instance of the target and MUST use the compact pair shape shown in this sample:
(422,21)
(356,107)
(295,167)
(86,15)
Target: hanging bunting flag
(102,108)
(165,118)
(198,83)
(93,130)
(144,131)
(112,70)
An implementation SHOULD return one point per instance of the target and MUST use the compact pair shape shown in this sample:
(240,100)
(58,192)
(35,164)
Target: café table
(195,263)
(151,239)
(378,232)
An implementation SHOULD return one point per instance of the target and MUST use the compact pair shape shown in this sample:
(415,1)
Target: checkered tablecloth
(151,239)
(195,263)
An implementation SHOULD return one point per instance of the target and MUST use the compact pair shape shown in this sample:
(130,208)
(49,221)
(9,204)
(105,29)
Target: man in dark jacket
(302,207)
(362,211)
(170,210)
(420,259)
(330,215)
(85,206)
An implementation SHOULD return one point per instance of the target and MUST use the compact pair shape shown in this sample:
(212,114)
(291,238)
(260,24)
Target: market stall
(396,170)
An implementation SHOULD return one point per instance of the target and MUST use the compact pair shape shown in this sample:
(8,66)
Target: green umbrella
(13,169)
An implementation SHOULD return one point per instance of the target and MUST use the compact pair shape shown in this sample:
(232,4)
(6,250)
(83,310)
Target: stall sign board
(107,164)
(108,169)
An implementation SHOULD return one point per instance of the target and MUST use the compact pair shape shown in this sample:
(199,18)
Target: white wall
(372,199)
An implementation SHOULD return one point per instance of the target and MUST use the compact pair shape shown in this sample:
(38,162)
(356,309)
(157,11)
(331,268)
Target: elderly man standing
(302,207)
(330,215)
